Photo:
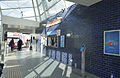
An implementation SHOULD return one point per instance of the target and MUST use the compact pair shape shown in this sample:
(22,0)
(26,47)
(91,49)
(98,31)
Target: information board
(112,42)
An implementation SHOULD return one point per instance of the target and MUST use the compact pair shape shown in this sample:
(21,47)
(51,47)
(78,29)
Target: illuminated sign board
(54,22)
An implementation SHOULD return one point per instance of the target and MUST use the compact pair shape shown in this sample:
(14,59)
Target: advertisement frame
(118,43)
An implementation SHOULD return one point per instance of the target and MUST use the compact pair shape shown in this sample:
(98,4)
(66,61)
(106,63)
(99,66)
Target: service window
(52,41)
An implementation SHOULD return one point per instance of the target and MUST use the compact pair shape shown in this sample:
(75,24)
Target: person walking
(20,45)
(12,44)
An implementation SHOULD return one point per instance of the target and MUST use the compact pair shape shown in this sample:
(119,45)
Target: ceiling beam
(16,8)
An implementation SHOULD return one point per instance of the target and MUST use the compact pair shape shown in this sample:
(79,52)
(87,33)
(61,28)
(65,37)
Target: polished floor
(29,64)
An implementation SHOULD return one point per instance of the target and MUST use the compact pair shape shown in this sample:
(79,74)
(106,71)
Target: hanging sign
(54,22)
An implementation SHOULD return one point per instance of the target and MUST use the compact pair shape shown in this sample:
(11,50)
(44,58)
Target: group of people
(19,44)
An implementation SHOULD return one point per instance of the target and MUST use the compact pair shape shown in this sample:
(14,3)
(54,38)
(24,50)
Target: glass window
(50,2)
(15,4)
(57,8)
(45,4)
(48,15)
(30,18)
(39,1)
(43,17)
(27,3)
(68,3)
(8,4)
(36,10)
(38,19)
(11,12)
(41,9)
(35,4)
(27,12)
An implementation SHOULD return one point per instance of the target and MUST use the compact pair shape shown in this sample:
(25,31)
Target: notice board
(112,42)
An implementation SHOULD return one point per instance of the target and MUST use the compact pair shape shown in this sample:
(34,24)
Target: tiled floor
(26,64)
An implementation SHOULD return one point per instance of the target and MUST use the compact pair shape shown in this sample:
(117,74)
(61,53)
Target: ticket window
(52,41)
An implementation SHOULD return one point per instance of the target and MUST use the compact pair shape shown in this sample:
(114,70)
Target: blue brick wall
(87,25)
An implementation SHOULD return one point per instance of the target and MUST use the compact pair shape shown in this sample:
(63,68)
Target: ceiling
(85,2)
(22,29)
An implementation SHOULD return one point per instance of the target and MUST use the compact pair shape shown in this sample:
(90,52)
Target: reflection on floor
(26,64)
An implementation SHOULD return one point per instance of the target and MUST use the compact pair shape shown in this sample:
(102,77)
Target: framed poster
(112,42)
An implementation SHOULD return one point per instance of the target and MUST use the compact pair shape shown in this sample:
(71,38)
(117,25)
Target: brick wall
(87,25)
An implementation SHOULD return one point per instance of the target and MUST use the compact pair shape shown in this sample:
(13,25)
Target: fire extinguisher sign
(111,42)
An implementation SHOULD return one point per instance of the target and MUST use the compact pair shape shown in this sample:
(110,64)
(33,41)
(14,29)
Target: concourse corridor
(26,64)
(29,64)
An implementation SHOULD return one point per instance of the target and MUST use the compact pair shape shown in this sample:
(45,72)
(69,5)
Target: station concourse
(59,39)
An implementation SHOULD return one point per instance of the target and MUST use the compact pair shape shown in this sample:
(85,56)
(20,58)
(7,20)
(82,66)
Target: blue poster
(70,59)
(62,41)
(64,57)
(111,44)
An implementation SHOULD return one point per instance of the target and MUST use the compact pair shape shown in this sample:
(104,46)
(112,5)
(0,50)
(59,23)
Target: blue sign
(52,32)
(82,47)
(111,42)
(70,59)
(62,41)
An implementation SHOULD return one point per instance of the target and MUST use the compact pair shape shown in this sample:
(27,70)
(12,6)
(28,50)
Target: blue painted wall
(87,25)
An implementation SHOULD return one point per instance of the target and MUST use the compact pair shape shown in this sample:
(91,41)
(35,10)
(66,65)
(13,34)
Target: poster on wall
(111,42)
(62,41)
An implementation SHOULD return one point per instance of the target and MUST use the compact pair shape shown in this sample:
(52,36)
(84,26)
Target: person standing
(20,45)
(12,44)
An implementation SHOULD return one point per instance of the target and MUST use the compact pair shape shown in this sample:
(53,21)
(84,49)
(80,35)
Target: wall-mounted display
(112,42)
(62,42)
(52,41)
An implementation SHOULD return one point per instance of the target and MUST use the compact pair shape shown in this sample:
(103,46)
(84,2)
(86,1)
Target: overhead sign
(54,22)
(111,42)
(11,34)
